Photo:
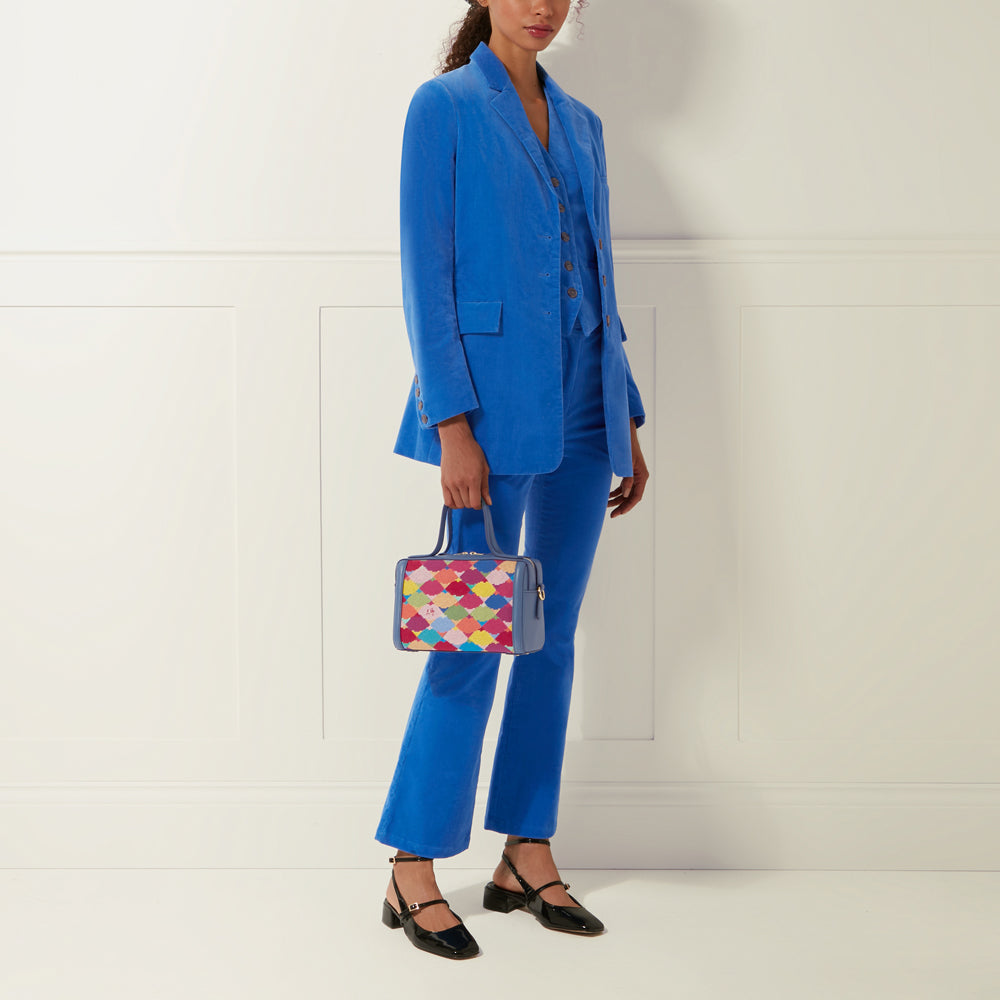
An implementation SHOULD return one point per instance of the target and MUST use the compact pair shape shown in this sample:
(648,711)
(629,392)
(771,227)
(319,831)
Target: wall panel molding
(625,251)
(701,774)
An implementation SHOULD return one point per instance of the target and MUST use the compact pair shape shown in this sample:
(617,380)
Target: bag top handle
(491,538)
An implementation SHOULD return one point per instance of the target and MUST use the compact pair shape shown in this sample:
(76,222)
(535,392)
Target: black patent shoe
(452,942)
(574,919)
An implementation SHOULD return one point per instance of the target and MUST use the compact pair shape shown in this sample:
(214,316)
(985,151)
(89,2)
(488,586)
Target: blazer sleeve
(636,411)
(427,254)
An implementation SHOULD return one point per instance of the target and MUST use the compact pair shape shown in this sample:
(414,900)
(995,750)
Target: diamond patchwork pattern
(458,605)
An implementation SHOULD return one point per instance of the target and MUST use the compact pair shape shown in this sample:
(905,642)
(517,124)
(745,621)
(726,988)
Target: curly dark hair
(473,29)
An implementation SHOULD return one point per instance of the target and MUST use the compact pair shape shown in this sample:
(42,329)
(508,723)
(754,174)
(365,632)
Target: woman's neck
(521,66)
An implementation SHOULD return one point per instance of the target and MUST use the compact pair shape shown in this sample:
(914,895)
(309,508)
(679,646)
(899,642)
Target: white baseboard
(723,825)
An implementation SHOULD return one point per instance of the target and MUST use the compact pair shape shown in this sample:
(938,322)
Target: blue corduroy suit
(508,296)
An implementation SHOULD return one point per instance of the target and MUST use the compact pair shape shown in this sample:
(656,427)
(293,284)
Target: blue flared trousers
(428,809)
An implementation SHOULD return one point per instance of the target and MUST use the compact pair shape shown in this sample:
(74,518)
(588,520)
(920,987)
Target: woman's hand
(464,471)
(629,491)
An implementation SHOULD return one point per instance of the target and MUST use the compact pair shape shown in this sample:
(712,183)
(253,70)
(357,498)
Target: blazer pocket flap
(479,317)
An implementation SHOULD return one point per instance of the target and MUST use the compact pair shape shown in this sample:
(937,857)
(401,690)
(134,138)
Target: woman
(523,395)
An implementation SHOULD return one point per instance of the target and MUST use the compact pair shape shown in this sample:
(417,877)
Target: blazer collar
(507,103)
(498,78)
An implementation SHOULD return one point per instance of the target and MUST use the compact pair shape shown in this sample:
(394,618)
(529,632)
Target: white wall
(205,124)
(786,659)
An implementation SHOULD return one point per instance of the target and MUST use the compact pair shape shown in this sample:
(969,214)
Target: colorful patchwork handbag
(469,602)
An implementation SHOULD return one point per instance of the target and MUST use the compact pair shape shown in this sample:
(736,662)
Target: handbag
(469,602)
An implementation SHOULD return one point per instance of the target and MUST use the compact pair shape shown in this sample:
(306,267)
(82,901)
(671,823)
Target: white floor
(304,934)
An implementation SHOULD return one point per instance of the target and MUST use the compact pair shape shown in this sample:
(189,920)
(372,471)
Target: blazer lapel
(507,103)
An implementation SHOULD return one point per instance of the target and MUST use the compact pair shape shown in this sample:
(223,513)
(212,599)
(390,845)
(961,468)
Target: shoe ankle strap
(406,910)
(526,840)
(416,857)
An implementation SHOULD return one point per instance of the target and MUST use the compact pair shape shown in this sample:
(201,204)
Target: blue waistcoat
(482,259)
(579,270)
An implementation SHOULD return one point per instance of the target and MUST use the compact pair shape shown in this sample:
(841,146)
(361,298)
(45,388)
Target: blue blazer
(479,246)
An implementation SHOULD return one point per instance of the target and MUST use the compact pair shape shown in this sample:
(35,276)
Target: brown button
(562,207)
(565,237)
(604,278)
(423,417)
(608,320)
(600,243)
(555,182)
(420,404)
(417,390)
(415,379)
(568,265)
(571,292)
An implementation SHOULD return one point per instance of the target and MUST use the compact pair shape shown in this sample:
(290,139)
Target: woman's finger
(624,508)
(459,494)
(624,504)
